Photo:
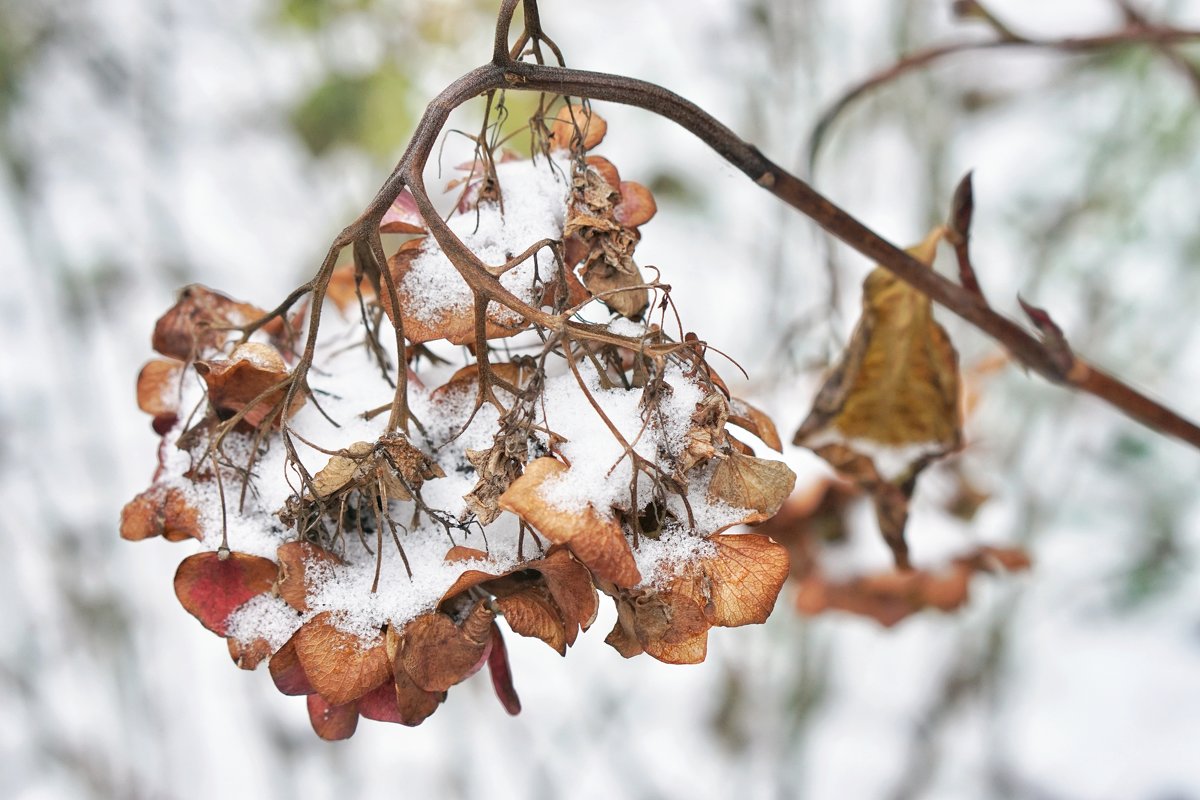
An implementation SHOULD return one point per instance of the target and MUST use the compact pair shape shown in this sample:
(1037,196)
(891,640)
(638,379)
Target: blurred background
(146,144)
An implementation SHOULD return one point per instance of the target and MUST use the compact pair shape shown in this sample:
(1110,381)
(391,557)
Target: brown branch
(1139,32)
(505,72)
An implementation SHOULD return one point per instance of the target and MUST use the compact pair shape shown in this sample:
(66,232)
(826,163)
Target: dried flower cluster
(367,513)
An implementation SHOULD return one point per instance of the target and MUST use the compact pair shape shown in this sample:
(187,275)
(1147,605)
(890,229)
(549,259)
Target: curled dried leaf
(739,584)
(402,216)
(287,672)
(501,674)
(211,588)
(199,323)
(532,612)
(749,418)
(248,655)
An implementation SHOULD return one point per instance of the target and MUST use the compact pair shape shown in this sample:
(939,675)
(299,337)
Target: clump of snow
(601,471)
(266,617)
(659,560)
(534,208)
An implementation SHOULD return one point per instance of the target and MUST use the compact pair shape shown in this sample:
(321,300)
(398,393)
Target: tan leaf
(570,585)
(897,383)
(413,704)
(597,541)
(670,627)
(332,722)
(533,613)
(753,483)
(338,664)
(210,587)
(576,125)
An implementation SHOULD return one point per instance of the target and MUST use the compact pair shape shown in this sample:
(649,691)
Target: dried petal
(749,418)
(606,170)
(158,389)
(287,672)
(332,722)
(576,125)
(402,216)
(597,541)
(501,674)
(637,205)
(533,613)
(338,664)
(740,583)
(197,324)
(436,653)
(254,378)
(248,655)
(160,511)
(297,561)
(754,483)
(211,588)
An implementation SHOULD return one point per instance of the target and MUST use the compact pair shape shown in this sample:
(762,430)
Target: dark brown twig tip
(1052,336)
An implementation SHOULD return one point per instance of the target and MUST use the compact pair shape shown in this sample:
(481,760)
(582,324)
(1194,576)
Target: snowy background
(154,143)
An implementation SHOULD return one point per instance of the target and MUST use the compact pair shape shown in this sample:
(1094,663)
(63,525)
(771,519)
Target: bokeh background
(146,144)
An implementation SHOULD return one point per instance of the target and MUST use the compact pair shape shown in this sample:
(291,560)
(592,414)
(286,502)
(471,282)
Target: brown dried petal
(437,654)
(533,613)
(248,655)
(332,722)
(671,627)
(158,387)
(252,379)
(457,327)
(637,205)
(749,418)
(754,483)
(606,170)
(296,562)
(574,121)
(571,587)
(338,664)
(597,541)
(210,588)
(160,511)
(738,585)
(192,327)
(287,672)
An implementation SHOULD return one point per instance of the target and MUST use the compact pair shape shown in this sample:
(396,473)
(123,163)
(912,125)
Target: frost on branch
(371,510)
